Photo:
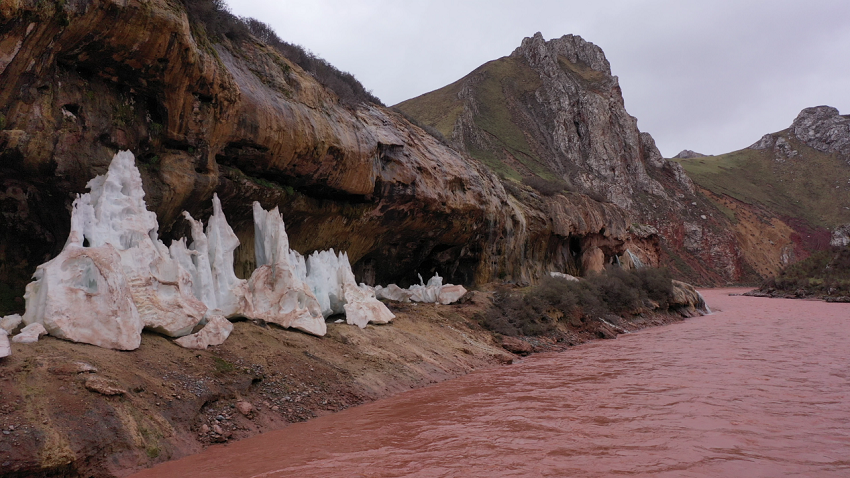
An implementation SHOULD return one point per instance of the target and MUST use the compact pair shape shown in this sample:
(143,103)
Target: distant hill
(799,176)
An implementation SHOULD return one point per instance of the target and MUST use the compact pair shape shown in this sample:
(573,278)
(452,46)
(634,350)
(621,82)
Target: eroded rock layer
(84,79)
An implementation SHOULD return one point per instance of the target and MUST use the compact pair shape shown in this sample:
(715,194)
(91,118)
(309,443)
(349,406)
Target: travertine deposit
(115,277)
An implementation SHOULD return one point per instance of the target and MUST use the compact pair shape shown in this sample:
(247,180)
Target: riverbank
(71,409)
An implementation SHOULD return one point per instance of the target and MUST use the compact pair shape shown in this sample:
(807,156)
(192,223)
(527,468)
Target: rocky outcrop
(822,128)
(688,154)
(553,109)
(840,236)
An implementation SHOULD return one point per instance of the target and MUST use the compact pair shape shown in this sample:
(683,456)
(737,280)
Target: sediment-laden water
(761,388)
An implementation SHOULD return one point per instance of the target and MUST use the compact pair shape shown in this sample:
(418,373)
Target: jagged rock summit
(822,128)
(553,113)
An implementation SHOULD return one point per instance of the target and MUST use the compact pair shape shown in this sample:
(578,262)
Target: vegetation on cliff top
(219,22)
(612,294)
(811,185)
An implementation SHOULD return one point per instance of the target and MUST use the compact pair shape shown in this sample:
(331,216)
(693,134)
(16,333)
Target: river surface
(761,388)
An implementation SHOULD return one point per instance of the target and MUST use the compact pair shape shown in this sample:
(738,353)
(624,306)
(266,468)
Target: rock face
(822,128)
(553,109)
(213,115)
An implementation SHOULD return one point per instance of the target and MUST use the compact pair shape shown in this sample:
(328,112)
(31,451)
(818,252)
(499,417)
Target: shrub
(218,22)
(823,273)
(614,292)
(545,186)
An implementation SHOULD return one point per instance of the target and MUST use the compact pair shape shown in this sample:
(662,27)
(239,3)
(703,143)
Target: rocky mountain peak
(572,47)
(824,129)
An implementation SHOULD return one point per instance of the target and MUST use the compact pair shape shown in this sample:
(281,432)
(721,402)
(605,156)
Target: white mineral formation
(330,277)
(29,334)
(426,292)
(561,275)
(114,275)
(280,295)
(324,278)
(10,322)
(5,346)
(434,291)
(209,260)
(82,295)
(215,332)
(450,294)
(391,292)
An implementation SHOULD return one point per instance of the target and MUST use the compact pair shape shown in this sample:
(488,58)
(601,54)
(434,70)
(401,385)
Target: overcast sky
(711,76)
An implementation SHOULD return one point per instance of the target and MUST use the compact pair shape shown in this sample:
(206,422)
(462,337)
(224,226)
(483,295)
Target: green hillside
(498,85)
(812,186)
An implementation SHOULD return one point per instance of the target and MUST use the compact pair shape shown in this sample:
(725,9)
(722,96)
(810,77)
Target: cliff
(210,114)
(552,110)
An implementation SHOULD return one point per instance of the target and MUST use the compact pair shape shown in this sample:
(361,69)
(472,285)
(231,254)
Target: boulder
(29,334)
(245,408)
(517,346)
(688,300)
(561,275)
(104,386)
(215,332)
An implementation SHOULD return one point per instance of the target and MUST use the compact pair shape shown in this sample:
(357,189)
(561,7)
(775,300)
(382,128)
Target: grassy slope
(813,186)
(502,81)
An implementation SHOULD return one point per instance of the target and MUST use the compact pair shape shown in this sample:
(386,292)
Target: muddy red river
(761,388)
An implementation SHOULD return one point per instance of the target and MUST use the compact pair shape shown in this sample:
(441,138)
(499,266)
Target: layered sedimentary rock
(209,115)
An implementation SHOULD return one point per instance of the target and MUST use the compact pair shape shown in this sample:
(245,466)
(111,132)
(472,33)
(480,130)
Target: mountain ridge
(552,109)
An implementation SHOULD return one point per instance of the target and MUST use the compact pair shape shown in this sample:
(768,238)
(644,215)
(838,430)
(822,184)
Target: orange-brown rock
(83,79)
